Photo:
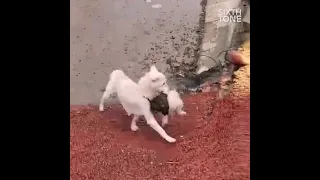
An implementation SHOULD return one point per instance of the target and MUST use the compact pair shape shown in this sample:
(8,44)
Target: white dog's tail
(110,87)
(112,78)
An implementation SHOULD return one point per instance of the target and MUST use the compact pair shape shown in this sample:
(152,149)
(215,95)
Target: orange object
(238,58)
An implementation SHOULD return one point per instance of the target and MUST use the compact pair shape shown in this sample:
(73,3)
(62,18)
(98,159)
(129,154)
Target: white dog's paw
(182,113)
(101,107)
(134,128)
(171,140)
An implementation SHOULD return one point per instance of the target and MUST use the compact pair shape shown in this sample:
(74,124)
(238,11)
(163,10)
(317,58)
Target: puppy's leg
(134,126)
(164,120)
(180,111)
(108,91)
(151,121)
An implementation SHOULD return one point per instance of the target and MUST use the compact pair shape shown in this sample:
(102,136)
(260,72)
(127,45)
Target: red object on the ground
(213,143)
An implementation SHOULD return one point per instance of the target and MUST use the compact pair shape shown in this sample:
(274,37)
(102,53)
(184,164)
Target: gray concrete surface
(217,35)
(129,35)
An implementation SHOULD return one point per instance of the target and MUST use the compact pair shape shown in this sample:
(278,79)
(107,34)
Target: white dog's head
(153,82)
(158,80)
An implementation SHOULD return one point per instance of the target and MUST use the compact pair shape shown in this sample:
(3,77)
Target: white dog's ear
(153,68)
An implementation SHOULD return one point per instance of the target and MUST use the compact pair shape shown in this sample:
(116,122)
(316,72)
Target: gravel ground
(131,35)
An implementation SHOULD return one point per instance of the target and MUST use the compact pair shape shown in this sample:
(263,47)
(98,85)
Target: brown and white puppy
(167,104)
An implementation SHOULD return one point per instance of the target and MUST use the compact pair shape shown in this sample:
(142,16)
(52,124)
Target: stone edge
(217,36)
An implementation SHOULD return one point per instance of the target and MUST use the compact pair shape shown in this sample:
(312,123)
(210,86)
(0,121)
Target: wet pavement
(129,35)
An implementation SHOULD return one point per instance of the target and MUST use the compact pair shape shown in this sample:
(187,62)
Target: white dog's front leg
(134,126)
(151,121)
(165,120)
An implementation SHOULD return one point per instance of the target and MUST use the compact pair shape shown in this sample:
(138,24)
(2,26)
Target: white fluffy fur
(153,82)
(175,102)
(132,96)
(175,105)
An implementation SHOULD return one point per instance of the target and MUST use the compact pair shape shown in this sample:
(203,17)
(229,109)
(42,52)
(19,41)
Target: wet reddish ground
(213,142)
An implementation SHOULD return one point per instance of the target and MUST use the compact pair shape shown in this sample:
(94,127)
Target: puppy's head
(160,104)
(158,80)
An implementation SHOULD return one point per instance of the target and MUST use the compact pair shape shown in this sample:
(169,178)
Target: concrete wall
(218,35)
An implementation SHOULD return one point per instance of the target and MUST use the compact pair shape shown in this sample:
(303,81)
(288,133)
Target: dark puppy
(160,104)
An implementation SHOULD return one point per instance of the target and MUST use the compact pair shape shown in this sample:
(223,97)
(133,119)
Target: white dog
(174,100)
(133,96)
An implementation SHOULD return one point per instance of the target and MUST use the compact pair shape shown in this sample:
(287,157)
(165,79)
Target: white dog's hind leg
(134,126)
(108,91)
(151,121)
(165,120)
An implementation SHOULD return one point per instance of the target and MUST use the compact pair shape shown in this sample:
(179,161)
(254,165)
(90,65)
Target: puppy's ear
(153,68)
